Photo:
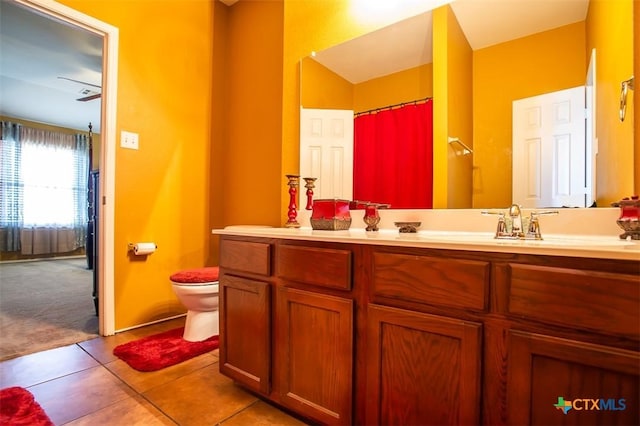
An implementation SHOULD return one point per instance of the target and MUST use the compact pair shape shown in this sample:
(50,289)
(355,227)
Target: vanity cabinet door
(245,331)
(422,369)
(598,385)
(313,365)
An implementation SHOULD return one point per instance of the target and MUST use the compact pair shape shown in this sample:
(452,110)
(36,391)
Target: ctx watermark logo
(590,404)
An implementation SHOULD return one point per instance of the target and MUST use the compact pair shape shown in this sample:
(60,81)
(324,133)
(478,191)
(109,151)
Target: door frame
(590,129)
(110,36)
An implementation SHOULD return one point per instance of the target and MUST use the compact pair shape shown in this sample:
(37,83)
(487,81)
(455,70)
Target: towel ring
(626,85)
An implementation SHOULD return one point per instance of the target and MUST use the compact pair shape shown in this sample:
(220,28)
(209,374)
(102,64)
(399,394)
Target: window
(43,183)
(49,179)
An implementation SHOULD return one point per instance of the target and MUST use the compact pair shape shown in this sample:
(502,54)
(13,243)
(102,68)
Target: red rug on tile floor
(18,407)
(162,350)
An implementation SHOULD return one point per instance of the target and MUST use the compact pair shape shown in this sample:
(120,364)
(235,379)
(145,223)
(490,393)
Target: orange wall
(460,115)
(219,117)
(252,153)
(614,64)
(636,123)
(452,106)
(441,23)
(541,63)
(322,88)
(403,86)
(164,95)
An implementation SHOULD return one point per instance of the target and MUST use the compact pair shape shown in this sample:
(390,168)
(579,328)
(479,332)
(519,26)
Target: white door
(326,151)
(549,154)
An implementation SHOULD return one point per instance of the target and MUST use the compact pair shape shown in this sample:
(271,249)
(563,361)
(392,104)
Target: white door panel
(326,151)
(549,150)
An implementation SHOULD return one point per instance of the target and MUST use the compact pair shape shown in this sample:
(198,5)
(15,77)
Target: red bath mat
(162,350)
(18,407)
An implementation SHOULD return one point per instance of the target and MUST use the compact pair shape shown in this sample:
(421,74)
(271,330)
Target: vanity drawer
(324,267)
(245,256)
(587,300)
(456,283)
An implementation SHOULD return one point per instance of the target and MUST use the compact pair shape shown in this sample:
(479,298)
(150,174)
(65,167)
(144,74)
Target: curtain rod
(375,110)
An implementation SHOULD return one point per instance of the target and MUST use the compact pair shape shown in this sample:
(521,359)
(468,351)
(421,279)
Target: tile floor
(85,384)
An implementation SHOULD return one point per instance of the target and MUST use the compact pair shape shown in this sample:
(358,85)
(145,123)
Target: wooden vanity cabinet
(286,324)
(370,334)
(245,313)
(313,355)
(313,331)
(421,369)
(573,335)
(424,362)
(544,370)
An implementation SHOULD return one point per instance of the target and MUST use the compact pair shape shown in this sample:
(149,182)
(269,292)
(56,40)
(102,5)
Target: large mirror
(511,55)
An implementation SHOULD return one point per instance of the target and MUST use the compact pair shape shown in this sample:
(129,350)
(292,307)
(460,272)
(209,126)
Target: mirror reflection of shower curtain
(393,156)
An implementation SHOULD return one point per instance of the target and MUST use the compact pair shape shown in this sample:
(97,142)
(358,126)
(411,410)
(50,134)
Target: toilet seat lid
(196,276)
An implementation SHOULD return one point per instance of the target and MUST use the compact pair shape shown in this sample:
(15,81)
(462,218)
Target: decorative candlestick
(371,217)
(629,220)
(310,185)
(293,213)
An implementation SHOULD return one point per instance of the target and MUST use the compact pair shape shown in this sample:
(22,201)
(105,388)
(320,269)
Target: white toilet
(197,290)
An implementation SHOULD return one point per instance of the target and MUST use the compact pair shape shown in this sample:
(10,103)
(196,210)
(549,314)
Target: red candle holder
(629,220)
(310,185)
(371,217)
(293,182)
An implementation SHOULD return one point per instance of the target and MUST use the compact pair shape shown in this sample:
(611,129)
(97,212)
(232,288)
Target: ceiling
(36,50)
(407,44)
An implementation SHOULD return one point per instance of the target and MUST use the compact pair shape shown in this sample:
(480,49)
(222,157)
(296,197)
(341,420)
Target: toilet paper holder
(132,247)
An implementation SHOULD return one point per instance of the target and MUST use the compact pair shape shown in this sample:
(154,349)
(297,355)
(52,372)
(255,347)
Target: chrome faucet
(517,232)
(533,232)
(516,221)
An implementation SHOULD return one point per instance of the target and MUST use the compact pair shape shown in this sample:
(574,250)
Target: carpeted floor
(44,305)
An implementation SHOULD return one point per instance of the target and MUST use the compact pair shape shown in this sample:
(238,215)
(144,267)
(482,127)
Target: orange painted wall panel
(614,52)
(322,88)
(163,195)
(403,86)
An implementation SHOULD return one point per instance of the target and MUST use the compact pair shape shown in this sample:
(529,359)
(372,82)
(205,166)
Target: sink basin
(552,240)
(584,243)
(572,240)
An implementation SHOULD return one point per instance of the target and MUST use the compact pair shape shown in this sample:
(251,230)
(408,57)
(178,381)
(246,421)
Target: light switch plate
(129,140)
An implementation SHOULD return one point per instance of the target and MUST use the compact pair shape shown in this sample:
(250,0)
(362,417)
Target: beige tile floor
(85,384)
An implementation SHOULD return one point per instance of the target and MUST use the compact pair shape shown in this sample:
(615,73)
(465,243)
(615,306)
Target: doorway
(68,16)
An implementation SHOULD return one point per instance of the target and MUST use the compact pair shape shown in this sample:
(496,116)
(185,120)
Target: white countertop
(573,245)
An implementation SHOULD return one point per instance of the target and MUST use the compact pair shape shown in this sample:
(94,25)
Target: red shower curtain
(393,157)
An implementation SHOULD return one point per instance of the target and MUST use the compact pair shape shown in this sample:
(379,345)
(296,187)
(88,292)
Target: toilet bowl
(197,290)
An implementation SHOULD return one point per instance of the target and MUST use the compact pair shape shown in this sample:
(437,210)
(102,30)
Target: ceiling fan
(89,94)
